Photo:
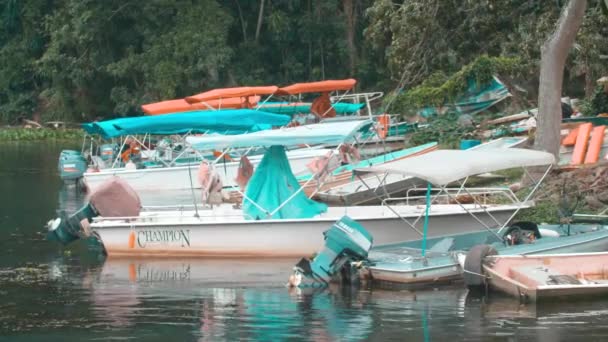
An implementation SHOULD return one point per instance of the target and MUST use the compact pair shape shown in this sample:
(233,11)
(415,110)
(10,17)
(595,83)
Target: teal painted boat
(445,256)
(595,120)
(383,158)
(294,108)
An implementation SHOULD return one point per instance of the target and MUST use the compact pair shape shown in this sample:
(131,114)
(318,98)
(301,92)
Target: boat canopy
(234,121)
(442,167)
(223,93)
(293,108)
(181,105)
(317,87)
(321,133)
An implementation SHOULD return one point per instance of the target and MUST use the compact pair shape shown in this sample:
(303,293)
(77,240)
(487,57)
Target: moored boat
(445,256)
(548,277)
(276,218)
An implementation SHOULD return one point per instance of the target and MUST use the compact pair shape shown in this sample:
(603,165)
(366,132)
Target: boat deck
(231,214)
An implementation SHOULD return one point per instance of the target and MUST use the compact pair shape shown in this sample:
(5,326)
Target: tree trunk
(260,17)
(553,59)
(351,22)
(589,80)
(242,20)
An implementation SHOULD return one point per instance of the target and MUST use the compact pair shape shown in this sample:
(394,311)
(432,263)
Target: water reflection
(48,292)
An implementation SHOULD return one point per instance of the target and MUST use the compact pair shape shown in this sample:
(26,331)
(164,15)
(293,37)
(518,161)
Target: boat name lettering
(151,274)
(163,236)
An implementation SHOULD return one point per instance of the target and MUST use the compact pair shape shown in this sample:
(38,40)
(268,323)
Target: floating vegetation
(33,134)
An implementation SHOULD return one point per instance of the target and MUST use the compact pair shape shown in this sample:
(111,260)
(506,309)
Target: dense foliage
(422,38)
(83,59)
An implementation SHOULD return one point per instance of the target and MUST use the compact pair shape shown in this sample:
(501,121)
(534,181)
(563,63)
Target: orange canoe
(580,148)
(224,93)
(570,139)
(318,87)
(595,145)
(177,106)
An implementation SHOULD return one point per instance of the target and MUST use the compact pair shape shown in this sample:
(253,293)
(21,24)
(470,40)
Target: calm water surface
(51,293)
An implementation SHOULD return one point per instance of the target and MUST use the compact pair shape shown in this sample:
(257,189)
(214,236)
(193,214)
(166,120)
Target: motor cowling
(114,198)
(346,241)
(72,165)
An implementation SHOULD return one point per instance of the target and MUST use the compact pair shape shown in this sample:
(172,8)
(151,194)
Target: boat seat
(533,275)
(443,246)
(564,279)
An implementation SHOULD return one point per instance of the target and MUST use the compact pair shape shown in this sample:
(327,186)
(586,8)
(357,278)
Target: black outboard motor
(114,198)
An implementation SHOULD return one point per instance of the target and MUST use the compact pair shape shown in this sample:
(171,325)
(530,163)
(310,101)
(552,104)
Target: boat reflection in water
(235,299)
(223,293)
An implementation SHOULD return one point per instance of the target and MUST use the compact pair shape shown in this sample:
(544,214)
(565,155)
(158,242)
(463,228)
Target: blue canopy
(273,183)
(233,121)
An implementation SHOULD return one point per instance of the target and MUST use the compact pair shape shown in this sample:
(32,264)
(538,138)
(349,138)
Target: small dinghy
(541,277)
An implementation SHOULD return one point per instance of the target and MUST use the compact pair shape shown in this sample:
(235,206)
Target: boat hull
(529,278)
(222,235)
(442,268)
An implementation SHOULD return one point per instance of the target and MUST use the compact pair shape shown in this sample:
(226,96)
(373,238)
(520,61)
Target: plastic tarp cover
(272,184)
(116,198)
(235,121)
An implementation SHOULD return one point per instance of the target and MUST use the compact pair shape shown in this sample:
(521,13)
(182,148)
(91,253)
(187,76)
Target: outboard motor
(108,152)
(345,242)
(114,198)
(72,165)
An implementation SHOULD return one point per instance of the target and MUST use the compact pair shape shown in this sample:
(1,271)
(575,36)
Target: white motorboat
(374,189)
(285,222)
(184,177)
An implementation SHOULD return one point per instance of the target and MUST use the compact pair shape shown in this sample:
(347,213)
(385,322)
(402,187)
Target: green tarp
(272,184)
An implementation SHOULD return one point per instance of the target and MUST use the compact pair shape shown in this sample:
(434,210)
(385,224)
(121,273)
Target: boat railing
(448,195)
(181,213)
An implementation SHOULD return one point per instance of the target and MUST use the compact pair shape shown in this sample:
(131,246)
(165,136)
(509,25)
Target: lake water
(54,293)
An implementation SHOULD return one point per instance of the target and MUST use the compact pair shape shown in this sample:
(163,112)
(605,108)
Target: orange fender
(595,145)
(580,148)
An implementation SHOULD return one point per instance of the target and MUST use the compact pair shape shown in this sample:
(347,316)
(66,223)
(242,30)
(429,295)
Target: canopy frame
(443,189)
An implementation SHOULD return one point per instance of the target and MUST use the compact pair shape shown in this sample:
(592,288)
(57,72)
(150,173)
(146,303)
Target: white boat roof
(442,167)
(321,133)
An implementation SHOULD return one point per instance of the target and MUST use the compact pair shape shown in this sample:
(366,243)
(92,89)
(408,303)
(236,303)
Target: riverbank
(40,134)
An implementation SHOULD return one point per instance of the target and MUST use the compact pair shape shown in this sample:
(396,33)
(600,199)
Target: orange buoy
(595,145)
(132,273)
(570,139)
(580,148)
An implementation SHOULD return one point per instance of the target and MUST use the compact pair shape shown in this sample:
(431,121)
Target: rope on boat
(477,274)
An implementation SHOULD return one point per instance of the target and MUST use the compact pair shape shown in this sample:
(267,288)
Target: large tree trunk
(351,23)
(242,20)
(553,59)
(260,17)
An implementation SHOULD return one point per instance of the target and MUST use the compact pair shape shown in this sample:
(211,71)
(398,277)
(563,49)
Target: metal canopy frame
(445,191)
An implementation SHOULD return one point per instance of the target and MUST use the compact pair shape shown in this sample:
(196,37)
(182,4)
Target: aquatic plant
(33,134)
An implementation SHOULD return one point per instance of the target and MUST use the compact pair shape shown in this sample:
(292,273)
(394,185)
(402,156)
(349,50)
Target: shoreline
(18,134)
